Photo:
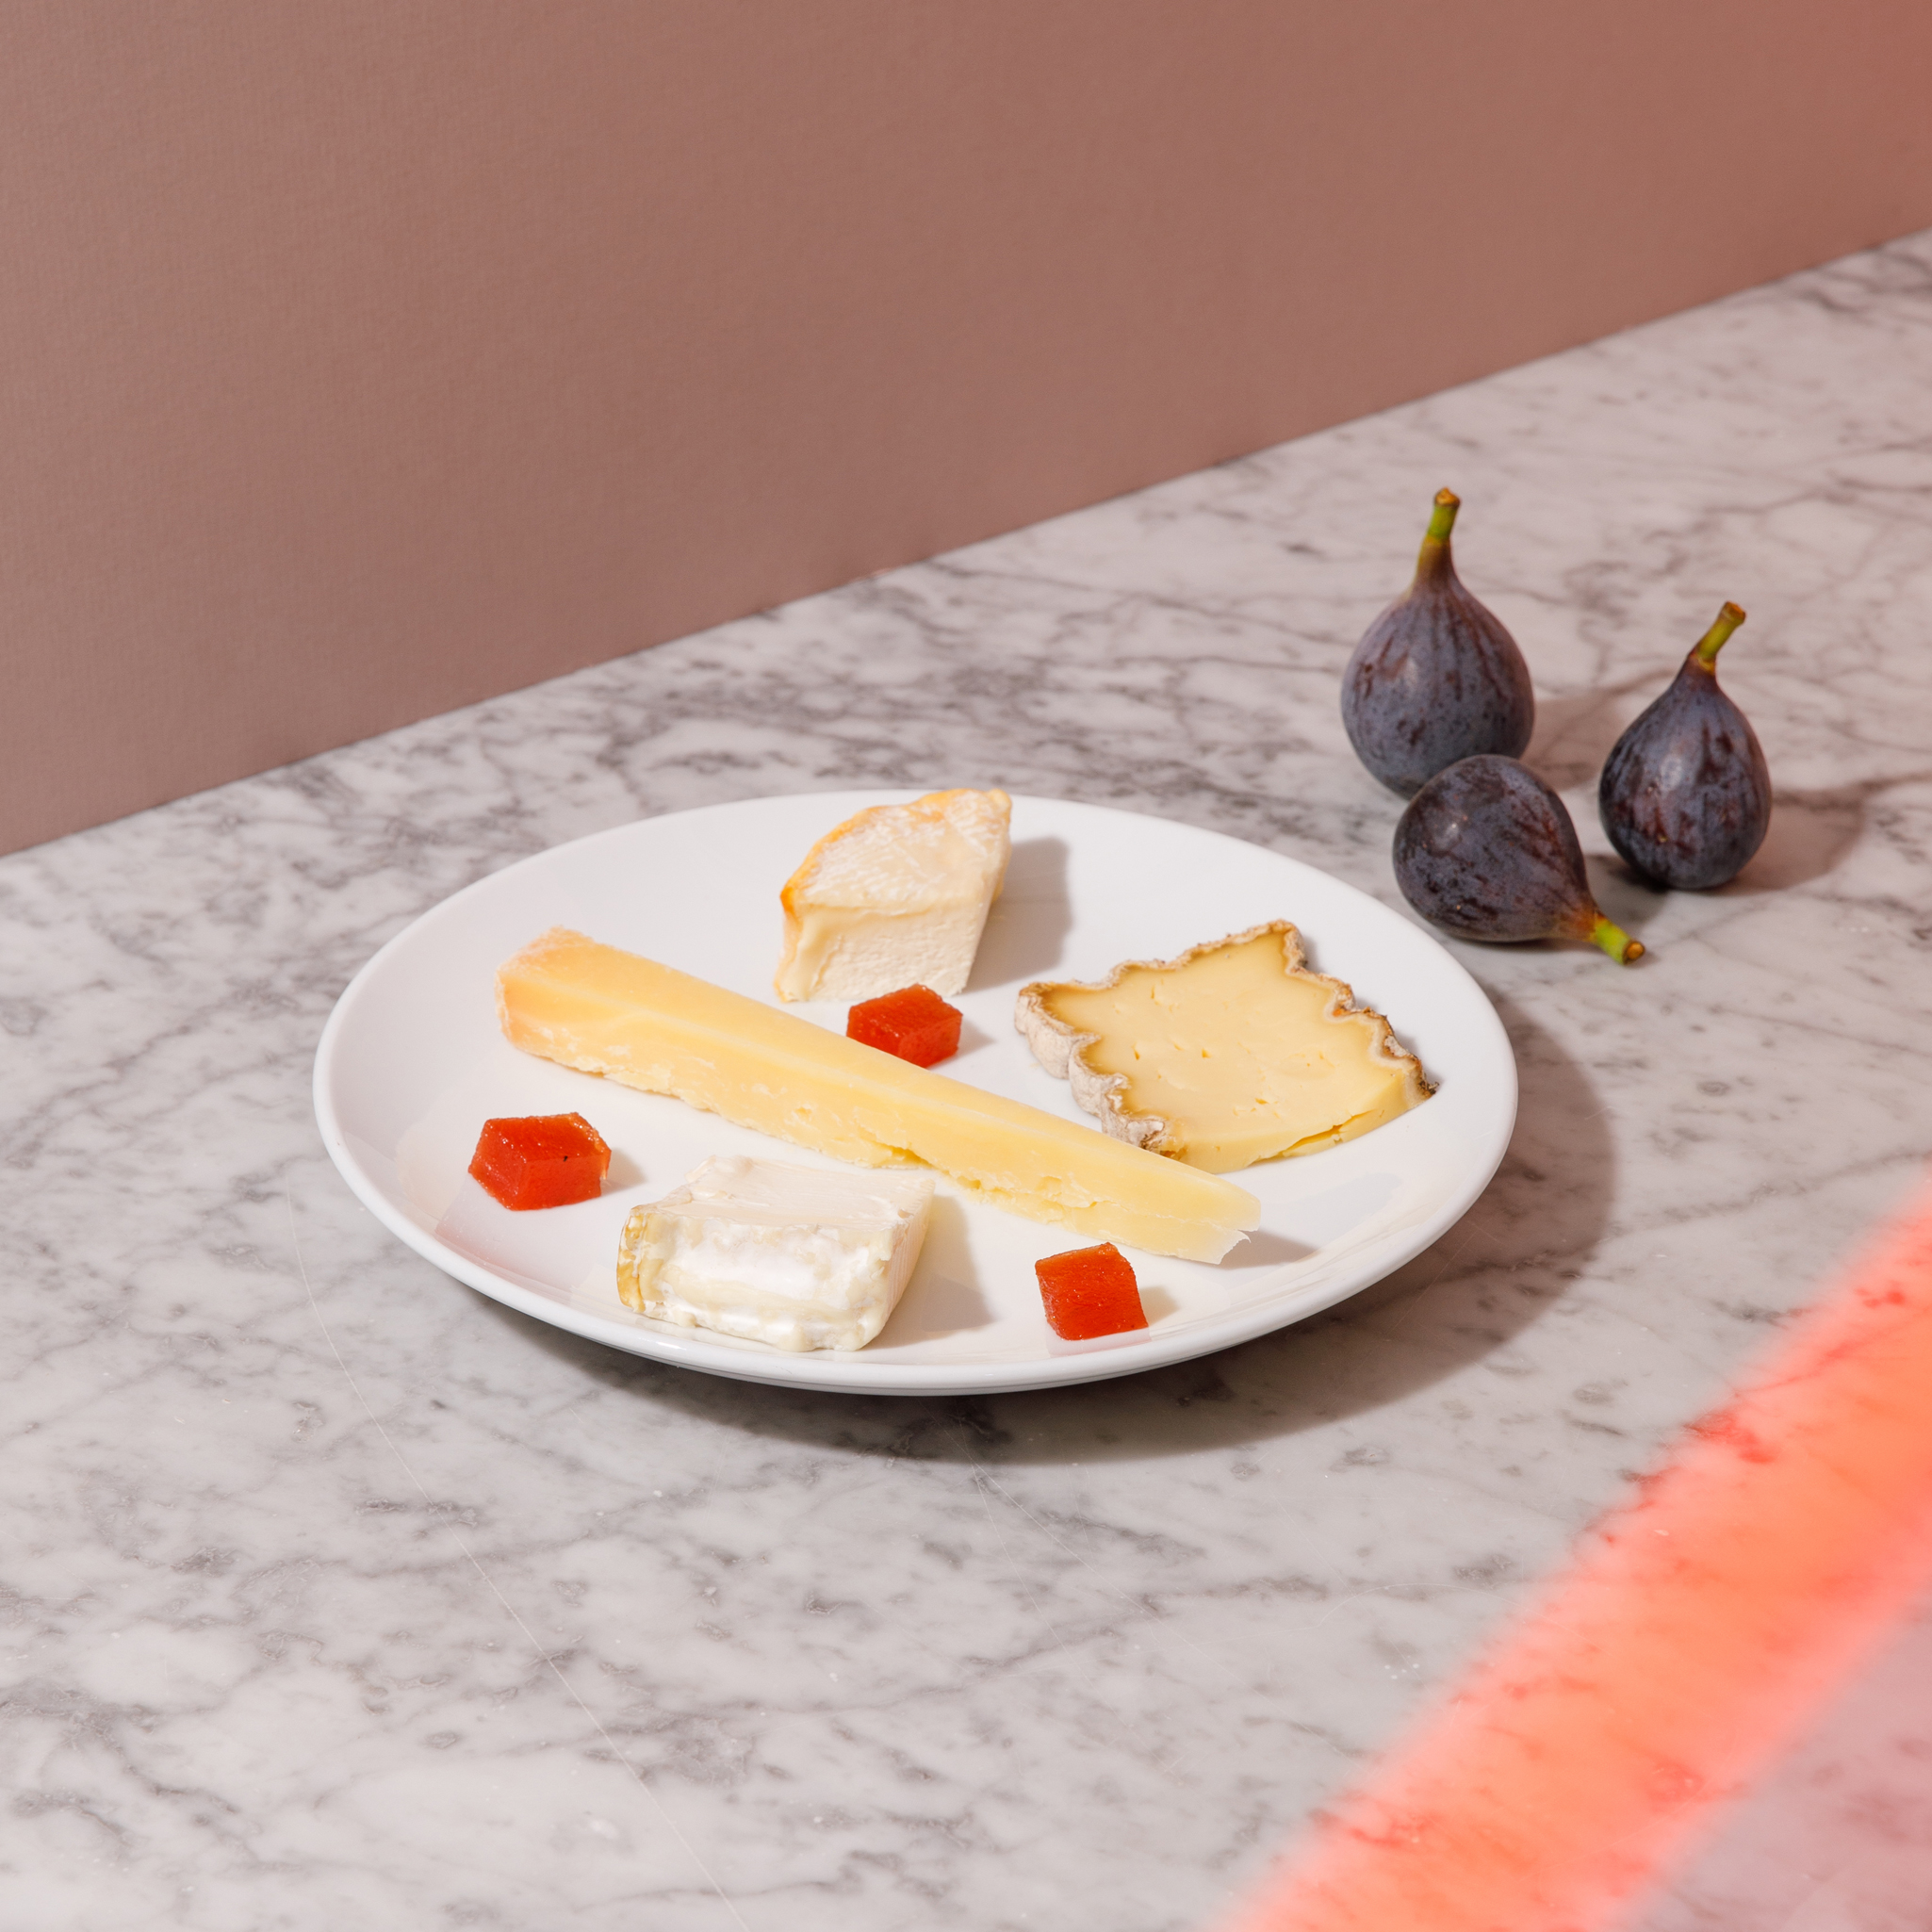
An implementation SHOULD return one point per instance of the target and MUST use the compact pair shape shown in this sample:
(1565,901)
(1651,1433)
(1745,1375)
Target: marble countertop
(334,1593)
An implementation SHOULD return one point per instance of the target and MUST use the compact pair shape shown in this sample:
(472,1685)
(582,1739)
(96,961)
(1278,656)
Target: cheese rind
(797,1257)
(895,896)
(1233,1054)
(569,999)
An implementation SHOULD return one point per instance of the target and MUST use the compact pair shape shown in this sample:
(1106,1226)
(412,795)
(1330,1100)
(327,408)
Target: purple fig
(1487,851)
(1685,794)
(1435,678)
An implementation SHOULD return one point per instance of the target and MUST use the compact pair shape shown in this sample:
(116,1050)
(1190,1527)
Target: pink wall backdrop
(358,360)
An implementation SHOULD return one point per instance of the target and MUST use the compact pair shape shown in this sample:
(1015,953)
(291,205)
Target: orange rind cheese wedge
(895,896)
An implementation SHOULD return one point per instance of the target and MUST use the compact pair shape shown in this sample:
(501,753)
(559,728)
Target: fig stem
(1718,635)
(1617,942)
(1442,520)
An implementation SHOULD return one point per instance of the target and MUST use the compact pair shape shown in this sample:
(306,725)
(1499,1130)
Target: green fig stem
(1435,542)
(1718,635)
(1616,940)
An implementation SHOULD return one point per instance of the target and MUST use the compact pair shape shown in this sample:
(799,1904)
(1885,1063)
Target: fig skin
(1436,677)
(1685,794)
(1487,851)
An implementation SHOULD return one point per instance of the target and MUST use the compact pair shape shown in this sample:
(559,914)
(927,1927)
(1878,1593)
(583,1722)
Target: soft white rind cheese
(770,1253)
(895,896)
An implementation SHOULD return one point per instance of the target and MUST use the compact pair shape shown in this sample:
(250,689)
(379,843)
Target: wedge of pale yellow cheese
(592,1006)
(1233,1054)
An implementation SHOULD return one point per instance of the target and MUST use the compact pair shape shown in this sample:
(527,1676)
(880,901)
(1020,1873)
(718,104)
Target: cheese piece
(1231,1054)
(895,896)
(771,1253)
(569,999)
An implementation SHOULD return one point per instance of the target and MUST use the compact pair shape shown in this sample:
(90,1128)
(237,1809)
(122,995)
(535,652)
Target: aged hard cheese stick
(1231,1054)
(569,999)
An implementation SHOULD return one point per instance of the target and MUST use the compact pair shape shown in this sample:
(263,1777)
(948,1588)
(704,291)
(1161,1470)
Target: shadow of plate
(1027,928)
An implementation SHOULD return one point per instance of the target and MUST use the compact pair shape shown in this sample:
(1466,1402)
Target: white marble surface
(335,1594)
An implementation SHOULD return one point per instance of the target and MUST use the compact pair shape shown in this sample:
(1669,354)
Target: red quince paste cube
(541,1160)
(914,1023)
(1088,1292)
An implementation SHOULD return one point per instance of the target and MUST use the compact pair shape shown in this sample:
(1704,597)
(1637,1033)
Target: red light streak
(1693,1631)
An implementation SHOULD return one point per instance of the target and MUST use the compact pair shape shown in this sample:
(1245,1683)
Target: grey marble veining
(334,1593)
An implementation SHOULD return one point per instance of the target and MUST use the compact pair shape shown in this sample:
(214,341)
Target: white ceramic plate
(412,1063)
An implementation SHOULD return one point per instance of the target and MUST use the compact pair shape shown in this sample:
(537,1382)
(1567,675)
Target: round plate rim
(832,1371)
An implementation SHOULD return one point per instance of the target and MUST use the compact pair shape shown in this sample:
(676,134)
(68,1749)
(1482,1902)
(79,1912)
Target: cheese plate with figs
(1098,915)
